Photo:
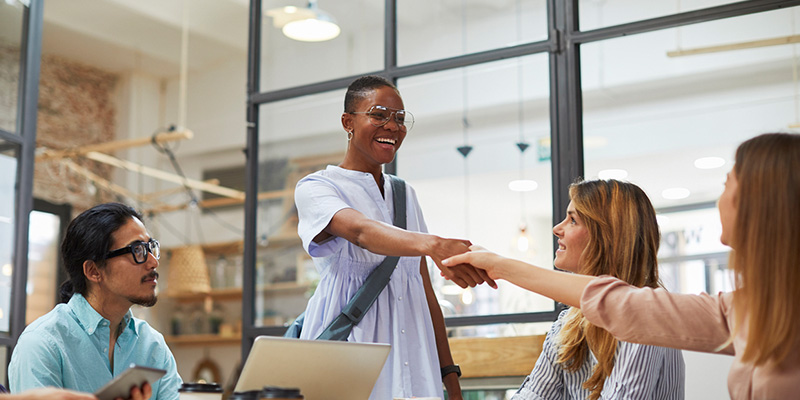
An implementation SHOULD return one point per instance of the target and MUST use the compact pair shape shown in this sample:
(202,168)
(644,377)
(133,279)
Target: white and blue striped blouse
(640,372)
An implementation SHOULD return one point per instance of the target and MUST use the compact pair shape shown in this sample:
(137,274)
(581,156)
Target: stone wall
(76,107)
(9,77)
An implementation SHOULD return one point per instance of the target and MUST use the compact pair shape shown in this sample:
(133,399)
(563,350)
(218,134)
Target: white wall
(706,375)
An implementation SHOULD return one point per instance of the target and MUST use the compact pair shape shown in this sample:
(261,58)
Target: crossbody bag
(354,311)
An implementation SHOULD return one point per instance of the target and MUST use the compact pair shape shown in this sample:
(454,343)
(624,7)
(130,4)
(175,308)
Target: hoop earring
(349,135)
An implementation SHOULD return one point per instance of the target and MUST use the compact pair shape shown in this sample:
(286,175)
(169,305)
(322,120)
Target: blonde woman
(610,229)
(758,324)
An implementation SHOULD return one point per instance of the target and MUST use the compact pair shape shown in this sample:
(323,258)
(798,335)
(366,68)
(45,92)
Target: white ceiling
(145,35)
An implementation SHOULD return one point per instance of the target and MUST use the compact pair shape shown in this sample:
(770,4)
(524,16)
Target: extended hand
(462,274)
(480,259)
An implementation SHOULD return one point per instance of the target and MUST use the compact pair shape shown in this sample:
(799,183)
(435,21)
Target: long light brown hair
(623,242)
(766,243)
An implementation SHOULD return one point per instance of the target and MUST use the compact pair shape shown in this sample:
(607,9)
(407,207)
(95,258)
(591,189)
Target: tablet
(121,385)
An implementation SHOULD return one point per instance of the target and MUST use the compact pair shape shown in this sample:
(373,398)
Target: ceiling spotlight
(675,193)
(523,185)
(308,24)
(709,162)
(618,174)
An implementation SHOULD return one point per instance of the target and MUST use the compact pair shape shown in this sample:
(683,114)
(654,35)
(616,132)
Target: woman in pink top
(758,323)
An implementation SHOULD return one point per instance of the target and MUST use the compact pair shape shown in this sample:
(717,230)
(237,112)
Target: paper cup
(200,391)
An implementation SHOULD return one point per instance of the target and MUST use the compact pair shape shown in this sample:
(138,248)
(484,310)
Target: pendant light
(309,24)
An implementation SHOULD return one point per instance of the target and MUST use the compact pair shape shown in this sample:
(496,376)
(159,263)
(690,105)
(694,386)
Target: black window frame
(24,139)
(566,132)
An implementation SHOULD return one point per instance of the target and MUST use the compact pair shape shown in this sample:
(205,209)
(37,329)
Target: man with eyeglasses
(92,336)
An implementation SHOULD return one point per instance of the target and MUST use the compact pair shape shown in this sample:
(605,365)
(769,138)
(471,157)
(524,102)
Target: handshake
(454,257)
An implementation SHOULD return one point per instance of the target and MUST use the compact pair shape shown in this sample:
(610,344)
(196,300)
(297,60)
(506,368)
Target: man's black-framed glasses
(139,249)
(380,115)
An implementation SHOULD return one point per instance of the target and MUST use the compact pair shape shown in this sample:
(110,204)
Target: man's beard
(144,301)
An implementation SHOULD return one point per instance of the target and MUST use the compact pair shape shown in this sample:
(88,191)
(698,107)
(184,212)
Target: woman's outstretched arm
(560,286)
(382,238)
(638,315)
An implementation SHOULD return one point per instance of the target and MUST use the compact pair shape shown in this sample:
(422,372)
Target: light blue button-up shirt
(68,348)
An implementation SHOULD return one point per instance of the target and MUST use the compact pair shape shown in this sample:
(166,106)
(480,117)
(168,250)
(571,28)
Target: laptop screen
(321,369)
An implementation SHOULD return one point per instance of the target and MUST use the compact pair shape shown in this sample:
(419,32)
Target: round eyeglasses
(139,249)
(380,116)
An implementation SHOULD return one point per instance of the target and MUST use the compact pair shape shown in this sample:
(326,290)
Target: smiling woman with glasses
(346,216)
(380,115)
(139,249)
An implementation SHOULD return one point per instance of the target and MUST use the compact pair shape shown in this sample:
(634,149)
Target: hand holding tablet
(134,376)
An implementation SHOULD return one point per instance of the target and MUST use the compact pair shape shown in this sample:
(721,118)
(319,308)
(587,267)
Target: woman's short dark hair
(361,87)
(88,237)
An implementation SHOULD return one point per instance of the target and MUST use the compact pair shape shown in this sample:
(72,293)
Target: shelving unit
(203,340)
(226,294)
(231,294)
(270,289)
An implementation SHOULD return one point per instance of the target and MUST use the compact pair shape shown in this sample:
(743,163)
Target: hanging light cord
(464,120)
(194,201)
(184,66)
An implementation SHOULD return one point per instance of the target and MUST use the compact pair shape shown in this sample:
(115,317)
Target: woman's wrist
(452,385)
(429,244)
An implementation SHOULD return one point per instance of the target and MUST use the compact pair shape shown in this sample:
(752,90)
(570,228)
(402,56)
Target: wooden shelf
(236,247)
(225,294)
(203,340)
(283,287)
(232,294)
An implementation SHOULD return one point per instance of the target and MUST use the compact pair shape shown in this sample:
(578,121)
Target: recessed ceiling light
(612,174)
(523,185)
(676,193)
(709,162)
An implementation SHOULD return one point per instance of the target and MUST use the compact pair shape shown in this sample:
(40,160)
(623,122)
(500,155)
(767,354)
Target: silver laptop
(321,369)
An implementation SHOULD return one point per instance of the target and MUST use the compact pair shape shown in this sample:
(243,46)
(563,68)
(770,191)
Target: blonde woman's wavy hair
(766,243)
(623,242)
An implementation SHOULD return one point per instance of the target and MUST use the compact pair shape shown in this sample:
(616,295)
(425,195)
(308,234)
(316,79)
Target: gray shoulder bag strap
(354,311)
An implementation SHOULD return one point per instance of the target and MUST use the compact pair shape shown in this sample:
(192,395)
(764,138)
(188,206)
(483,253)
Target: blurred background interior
(513,100)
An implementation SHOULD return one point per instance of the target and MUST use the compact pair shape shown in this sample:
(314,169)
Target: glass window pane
(11,16)
(8,193)
(691,257)
(431,30)
(298,137)
(504,103)
(595,14)
(43,254)
(356,50)
(672,124)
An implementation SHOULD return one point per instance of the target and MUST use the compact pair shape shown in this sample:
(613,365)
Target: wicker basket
(188,272)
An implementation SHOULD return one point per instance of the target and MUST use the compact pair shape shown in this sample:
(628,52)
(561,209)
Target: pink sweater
(690,322)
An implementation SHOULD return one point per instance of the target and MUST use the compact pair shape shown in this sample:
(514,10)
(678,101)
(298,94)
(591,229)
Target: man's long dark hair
(88,237)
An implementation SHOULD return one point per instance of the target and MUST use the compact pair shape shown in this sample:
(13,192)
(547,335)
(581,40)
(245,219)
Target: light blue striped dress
(400,315)
(640,372)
